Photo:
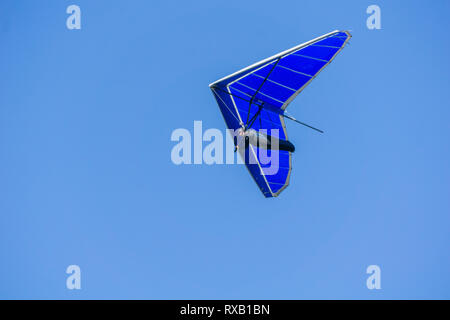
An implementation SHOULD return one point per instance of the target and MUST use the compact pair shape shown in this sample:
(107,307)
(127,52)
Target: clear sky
(86,176)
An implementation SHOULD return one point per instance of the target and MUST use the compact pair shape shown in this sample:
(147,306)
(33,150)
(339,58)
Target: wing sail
(274,82)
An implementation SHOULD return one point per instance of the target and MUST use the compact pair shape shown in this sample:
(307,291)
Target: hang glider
(255,99)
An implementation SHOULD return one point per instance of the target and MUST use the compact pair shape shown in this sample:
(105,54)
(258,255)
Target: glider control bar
(259,88)
(252,120)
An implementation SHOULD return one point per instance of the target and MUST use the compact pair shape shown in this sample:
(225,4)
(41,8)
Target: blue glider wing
(268,87)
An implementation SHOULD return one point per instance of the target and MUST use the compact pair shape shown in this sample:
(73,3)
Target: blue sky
(86,176)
